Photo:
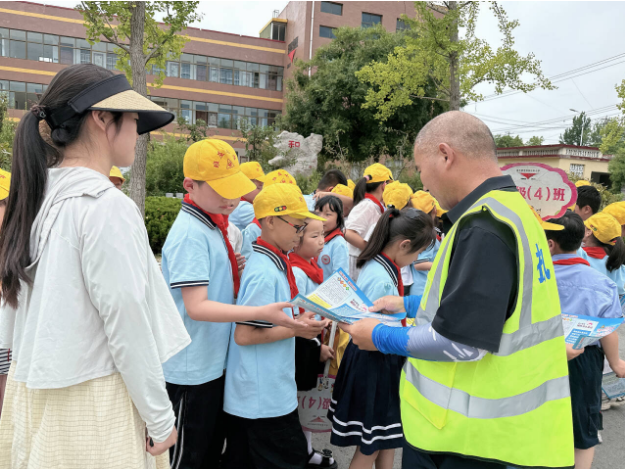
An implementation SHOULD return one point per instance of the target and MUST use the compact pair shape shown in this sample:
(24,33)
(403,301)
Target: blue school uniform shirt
(617,276)
(583,290)
(305,285)
(250,234)
(310,201)
(378,278)
(195,254)
(420,277)
(260,382)
(335,255)
(242,215)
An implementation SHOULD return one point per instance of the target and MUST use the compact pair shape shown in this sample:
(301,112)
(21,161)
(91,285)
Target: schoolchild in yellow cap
(261,394)
(116,177)
(252,230)
(5,354)
(368,208)
(244,213)
(351,184)
(422,200)
(605,248)
(200,267)
(617,210)
(342,192)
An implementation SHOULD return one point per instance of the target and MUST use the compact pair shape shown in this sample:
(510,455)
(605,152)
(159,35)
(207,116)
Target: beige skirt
(91,425)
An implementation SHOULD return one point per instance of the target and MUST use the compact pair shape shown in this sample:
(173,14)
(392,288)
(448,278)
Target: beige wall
(564,164)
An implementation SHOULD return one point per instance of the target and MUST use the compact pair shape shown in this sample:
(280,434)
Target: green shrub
(160,213)
(308,184)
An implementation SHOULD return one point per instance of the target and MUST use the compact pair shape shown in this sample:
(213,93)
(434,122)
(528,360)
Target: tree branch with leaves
(141,42)
(435,50)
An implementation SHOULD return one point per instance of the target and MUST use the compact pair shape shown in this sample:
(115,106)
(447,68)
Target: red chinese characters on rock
(293,144)
(542,193)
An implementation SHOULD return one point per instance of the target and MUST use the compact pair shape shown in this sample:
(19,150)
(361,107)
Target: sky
(564,36)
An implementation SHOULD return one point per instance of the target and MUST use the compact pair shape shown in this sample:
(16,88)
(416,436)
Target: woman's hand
(361,332)
(156,449)
(388,305)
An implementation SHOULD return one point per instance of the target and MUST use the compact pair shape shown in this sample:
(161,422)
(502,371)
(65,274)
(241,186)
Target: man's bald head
(463,132)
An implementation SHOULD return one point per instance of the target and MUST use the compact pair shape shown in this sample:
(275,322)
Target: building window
(332,8)
(324,31)
(577,170)
(369,20)
(278,31)
(18,50)
(402,25)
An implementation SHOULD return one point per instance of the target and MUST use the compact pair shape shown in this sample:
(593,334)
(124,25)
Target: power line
(568,75)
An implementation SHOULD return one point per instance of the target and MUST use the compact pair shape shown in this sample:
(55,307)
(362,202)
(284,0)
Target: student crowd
(113,358)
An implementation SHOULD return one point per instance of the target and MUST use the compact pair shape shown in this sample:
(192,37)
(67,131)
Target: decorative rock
(298,155)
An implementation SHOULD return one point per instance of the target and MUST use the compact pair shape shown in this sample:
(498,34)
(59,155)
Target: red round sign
(546,189)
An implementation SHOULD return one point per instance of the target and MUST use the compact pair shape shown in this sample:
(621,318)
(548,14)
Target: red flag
(292,55)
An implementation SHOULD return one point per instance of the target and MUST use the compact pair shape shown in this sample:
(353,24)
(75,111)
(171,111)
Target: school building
(221,78)
(584,162)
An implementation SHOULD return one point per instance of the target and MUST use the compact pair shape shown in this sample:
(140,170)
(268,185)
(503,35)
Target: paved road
(609,455)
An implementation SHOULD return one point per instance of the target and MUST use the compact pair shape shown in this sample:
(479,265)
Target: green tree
(579,133)
(330,102)
(436,53)
(164,169)
(141,42)
(195,132)
(608,134)
(535,141)
(258,143)
(507,141)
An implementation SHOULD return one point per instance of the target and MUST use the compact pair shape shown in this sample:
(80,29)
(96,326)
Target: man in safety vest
(486,382)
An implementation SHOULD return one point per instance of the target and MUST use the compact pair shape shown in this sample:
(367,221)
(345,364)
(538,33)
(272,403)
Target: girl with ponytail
(85,308)
(368,207)
(365,409)
(605,248)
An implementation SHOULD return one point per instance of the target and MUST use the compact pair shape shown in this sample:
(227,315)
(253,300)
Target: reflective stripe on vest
(528,334)
(481,408)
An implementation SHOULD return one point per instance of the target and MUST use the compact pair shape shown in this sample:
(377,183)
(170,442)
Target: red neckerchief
(311,269)
(222,223)
(400,282)
(595,252)
(375,201)
(571,261)
(256,222)
(243,199)
(289,270)
(333,234)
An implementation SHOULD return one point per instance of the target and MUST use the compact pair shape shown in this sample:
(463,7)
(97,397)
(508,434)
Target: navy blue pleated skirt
(365,401)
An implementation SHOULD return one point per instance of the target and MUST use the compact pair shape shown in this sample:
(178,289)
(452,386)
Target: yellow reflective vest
(512,406)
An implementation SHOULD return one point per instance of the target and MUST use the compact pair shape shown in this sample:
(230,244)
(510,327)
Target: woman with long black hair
(85,308)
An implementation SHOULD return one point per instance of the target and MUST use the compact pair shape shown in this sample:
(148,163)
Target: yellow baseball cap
(397,195)
(5,184)
(214,161)
(343,190)
(282,199)
(378,173)
(545,224)
(605,227)
(423,201)
(582,182)
(351,184)
(279,176)
(116,173)
(617,210)
(253,170)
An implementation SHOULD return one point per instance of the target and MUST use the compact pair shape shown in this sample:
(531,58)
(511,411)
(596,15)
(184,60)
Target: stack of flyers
(340,299)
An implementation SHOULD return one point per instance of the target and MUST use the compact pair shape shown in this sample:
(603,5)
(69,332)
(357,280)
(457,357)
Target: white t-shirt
(362,217)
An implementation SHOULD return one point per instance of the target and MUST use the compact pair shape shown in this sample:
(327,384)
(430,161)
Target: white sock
(316,458)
